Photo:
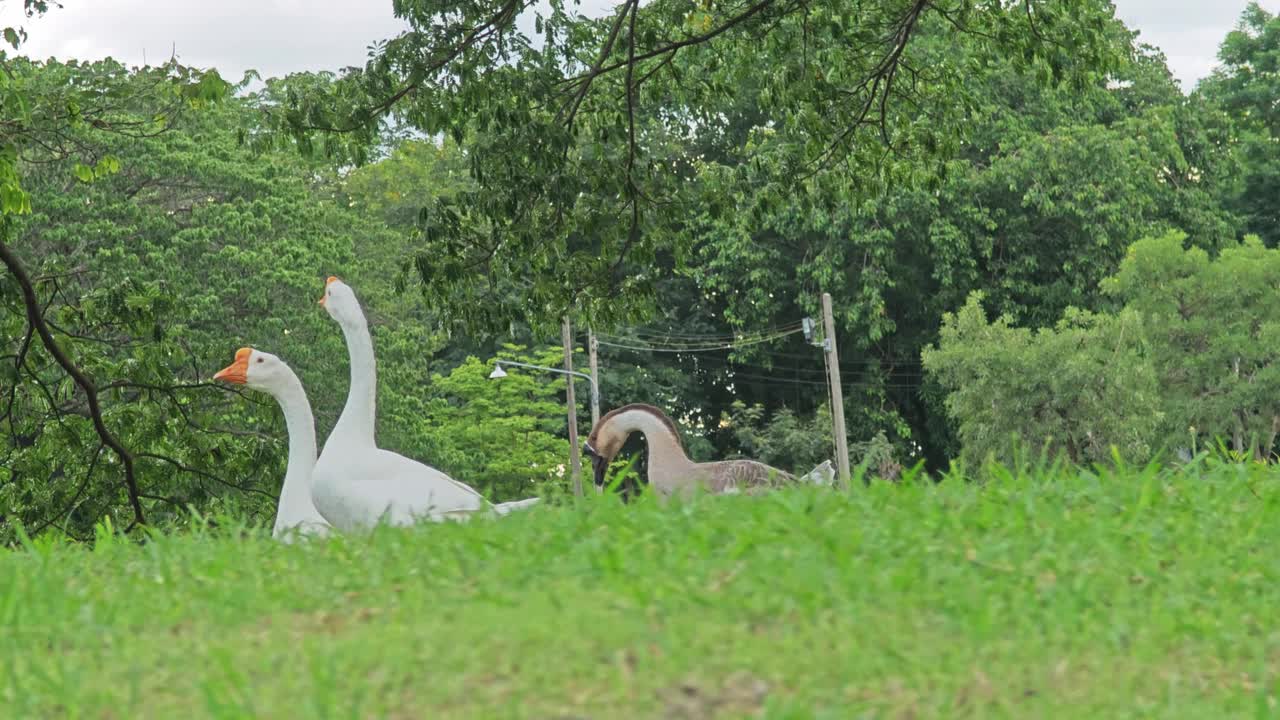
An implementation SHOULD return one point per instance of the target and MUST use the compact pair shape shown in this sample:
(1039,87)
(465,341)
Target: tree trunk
(1264,452)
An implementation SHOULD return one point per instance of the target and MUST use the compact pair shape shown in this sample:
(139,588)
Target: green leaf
(107,165)
(14,200)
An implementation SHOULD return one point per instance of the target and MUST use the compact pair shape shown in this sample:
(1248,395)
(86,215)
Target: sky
(276,37)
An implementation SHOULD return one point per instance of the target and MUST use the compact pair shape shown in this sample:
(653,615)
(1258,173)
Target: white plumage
(356,484)
(268,373)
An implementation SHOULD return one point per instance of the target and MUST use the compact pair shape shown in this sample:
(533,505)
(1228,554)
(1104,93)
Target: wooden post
(592,348)
(837,392)
(575,462)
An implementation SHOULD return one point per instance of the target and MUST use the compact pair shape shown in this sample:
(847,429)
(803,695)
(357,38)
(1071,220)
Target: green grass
(1140,594)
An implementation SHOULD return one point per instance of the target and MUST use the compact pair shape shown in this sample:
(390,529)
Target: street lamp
(498,372)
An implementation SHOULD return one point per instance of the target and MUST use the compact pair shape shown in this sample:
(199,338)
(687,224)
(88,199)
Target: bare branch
(711,34)
(182,467)
(36,318)
(605,51)
(505,15)
(75,499)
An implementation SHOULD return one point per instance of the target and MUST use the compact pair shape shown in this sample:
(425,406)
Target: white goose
(268,373)
(355,483)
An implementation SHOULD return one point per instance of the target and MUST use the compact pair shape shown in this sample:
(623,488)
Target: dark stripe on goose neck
(593,438)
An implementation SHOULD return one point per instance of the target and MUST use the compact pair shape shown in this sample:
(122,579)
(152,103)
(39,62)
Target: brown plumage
(670,468)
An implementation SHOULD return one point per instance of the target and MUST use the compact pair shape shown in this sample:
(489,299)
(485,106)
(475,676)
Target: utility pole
(575,462)
(837,392)
(592,349)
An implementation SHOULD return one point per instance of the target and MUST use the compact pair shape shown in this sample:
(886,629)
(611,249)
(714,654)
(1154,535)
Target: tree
(1073,391)
(1192,356)
(503,437)
(1214,336)
(785,440)
(414,174)
(577,137)
(1035,209)
(1243,89)
(147,279)
(42,112)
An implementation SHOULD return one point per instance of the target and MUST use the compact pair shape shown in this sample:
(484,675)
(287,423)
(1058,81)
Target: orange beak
(332,279)
(238,371)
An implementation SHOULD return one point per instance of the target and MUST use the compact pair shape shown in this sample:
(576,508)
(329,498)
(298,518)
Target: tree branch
(75,499)
(182,467)
(505,15)
(36,318)
(633,193)
(604,55)
(672,47)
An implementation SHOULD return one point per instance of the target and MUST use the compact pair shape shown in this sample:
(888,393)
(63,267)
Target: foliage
(1243,89)
(877,457)
(895,600)
(1076,390)
(151,277)
(46,109)
(784,440)
(1034,209)
(1184,362)
(1053,218)
(577,137)
(45,104)
(1215,350)
(416,173)
(503,437)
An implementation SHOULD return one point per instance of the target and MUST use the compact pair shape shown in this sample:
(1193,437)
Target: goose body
(356,484)
(670,469)
(262,371)
(360,487)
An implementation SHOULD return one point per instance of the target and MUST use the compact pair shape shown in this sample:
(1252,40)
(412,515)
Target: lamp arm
(595,389)
(542,367)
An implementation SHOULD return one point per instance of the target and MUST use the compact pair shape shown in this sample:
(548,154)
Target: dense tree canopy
(150,278)
(589,142)
(675,177)
(1078,389)
(1244,89)
(1217,353)
(46,110)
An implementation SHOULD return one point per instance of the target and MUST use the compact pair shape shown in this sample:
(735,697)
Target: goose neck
(356,424)
(295,504)
(665,452)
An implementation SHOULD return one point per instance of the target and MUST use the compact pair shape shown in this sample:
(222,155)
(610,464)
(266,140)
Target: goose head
(256,369)
(610,433)
(339,300)
(602,447)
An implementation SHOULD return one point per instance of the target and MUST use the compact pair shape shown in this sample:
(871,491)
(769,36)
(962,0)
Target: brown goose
(670,469)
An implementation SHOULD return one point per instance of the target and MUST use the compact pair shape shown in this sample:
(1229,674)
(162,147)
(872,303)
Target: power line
(701,347)
(864,361)
(730,334)
(718,362)
(815,383)
(663,335)
(645,340)
(701,342)
(628,342)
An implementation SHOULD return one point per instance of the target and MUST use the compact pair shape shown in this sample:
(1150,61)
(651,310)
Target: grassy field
(1140,594)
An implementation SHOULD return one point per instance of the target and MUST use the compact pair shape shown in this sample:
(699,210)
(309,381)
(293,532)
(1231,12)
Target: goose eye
(259,359)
